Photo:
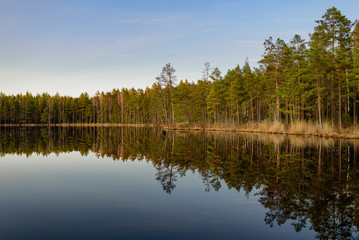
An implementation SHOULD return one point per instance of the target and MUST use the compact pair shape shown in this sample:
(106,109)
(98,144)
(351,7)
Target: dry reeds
(296,128)
(302,127)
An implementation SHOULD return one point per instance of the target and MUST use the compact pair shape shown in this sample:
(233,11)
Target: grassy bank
(299,128)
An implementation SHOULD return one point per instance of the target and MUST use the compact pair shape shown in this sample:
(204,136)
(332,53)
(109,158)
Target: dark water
(143,183)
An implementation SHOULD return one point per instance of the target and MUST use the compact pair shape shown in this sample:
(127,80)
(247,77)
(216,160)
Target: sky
(75,46)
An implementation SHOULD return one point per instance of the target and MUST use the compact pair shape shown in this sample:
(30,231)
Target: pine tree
(249,86)
(168,79)
(335,29)
(319,62)
(355,70)
(299,55)
(271,61)
(236,92)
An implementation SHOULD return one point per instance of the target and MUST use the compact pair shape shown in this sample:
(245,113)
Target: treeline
(315,80)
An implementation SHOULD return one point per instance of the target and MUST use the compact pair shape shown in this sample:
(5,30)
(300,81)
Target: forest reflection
(307,182)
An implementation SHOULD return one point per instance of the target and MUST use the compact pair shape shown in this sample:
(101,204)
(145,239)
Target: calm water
(140,183)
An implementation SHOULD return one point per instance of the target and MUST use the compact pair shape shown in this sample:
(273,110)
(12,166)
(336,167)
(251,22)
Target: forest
(314,80)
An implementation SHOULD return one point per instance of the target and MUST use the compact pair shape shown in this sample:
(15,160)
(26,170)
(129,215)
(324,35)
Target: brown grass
(297,128)
(303,127)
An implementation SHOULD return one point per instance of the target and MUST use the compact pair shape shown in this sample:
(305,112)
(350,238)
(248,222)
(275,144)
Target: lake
(145,183)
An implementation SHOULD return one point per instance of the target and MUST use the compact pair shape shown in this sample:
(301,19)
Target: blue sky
(74,46)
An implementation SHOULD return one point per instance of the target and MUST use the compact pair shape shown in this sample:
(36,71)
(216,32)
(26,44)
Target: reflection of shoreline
(83,125)
(306,181)
(261,128)
(270,130)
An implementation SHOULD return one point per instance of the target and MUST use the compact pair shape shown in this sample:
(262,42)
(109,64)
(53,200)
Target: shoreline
(232,130)
(346,133)
(82,125)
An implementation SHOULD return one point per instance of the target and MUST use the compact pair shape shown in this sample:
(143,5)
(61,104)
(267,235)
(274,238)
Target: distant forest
(315,80)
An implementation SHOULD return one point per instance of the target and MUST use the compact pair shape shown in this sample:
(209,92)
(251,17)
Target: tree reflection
(306,182)
(167,177)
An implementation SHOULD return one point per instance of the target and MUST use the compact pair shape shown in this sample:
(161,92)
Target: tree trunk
(286,111)
(355,106)
(277,91)
(319,100)
(340,101)
(251,98)
(333,51)
(332,90)
(300,96)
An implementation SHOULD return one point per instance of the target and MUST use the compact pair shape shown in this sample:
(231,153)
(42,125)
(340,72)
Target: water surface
(143,183)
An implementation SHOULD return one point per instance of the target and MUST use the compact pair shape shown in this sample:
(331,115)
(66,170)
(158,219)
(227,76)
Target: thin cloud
(208,30)
(134,39)
(290,34)
(150,19)
(227,5)
(246,43)
(138,45)
(142,41)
